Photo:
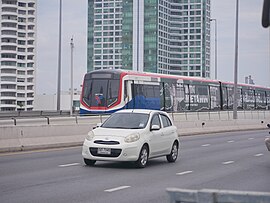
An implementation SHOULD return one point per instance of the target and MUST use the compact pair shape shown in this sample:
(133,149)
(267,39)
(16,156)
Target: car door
(168,133)
(156,138)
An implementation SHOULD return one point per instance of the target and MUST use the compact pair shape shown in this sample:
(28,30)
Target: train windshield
(100,92)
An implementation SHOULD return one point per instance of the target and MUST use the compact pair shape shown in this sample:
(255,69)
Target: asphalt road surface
(231,161)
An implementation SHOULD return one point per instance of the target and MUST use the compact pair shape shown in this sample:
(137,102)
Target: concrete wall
(49,102)
(71,131)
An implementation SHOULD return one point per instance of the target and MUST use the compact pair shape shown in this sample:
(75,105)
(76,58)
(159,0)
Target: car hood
(115,132)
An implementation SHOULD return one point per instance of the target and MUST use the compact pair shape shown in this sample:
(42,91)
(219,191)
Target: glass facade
(150,36)
(172,38)
(17,55)
(127,35)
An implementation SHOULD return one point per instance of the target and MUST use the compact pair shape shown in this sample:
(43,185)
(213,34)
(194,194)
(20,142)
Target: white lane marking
(227,162)
(117,188)
(257,155)
(205,145)
(67,165)
(230,141)
(251,138)
(184,173)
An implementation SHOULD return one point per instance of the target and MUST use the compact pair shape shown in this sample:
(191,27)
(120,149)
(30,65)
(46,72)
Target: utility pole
(59,58)
(235,63)
(71,76)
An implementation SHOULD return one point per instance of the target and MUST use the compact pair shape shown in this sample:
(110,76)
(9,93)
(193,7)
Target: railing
(13,114)
(198,115)
(222,115)
(52,117)
(216,196)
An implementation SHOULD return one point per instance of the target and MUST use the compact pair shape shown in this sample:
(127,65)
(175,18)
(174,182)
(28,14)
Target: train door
(181,101)
(166,96)
(215,102)
(127,97)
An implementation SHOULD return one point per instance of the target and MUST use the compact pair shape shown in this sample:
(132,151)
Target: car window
(126,121)
(155,120)
(166,121)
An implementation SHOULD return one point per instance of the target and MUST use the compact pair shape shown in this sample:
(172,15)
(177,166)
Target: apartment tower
(162,36)
(17,48)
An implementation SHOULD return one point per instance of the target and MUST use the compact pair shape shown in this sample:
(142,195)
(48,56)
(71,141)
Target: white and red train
(107,91)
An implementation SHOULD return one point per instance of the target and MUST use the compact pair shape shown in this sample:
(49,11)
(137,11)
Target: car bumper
(123,152)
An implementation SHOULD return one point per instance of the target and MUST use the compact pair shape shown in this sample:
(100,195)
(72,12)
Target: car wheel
(143,157)
(89,162)
(174,153)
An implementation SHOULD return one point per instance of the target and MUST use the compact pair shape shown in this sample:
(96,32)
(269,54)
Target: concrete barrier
(19,138)
(216,196)
(70,131)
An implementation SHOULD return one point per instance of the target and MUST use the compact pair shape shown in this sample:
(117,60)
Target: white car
(267,143)
(132,135)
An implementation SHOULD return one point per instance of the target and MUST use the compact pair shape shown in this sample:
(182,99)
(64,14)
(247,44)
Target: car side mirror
(155,127)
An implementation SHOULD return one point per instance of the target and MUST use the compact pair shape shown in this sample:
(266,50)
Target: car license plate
(104,151)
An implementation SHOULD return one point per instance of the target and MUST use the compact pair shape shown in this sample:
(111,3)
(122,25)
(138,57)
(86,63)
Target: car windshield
(126,121)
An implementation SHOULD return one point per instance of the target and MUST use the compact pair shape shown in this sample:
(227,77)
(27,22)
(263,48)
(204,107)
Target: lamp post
(71,76)
(215,20)
(59,58)
(235,63)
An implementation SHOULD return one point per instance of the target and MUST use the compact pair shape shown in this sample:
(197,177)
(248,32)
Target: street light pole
(215,20)
(59,58)
(71,76)
(235,64)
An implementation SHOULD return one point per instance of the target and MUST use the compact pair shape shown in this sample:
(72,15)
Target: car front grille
(106,142)
(114,152)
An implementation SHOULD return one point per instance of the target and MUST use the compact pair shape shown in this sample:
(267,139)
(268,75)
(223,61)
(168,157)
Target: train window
(248,99)
(148,91)
(181,101)
(202,90)
(113,89)
(260,99)
(230,97)
(268,97)
(94,92)
(199,97)
(98,93)
(215,97)
(86,91)
(125,89)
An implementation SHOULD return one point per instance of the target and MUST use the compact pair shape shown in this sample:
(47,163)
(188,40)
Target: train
(108,90)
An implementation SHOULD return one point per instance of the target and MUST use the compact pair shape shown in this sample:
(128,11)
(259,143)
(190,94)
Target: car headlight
(90,136)
(132,138)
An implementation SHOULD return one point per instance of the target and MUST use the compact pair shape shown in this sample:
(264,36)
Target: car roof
(146,111)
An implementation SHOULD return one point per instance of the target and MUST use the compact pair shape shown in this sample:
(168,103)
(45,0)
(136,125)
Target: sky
(253,46)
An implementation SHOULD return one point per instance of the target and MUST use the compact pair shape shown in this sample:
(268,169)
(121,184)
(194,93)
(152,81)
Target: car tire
(143,157)
(89,162)
(174,153)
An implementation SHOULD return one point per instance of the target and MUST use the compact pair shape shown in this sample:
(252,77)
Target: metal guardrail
(216,196)
(15,114)
(198,115)
(51,117)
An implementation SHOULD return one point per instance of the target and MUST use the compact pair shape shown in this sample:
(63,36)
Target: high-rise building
(17,48)
(249,80)
(164,36)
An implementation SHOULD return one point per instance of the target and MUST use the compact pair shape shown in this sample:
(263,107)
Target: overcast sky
(253,42)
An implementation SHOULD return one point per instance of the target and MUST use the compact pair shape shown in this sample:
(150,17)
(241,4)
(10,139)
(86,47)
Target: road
(233,161)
